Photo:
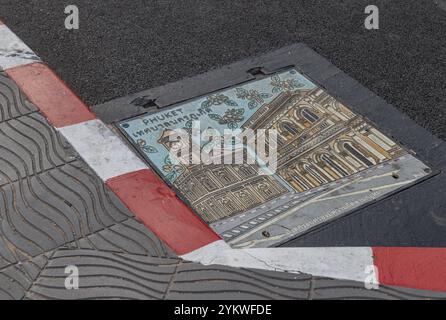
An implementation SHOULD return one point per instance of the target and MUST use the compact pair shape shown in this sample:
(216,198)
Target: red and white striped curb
(157,206)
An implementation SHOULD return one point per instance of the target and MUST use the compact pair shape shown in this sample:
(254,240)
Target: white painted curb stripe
(13,51)
(102,149)
(348,263)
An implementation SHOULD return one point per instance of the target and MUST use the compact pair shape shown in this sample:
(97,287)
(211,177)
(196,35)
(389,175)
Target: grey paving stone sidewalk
(118,275)
(55,212)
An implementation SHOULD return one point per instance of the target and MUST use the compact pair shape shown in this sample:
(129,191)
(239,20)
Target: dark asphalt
(124,47)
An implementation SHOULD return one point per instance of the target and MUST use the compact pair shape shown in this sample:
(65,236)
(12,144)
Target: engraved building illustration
(328,159)
(319,141)
(219,191)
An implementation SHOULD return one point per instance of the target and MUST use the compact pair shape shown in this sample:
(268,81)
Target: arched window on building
(229,205)
(247,199)
(357,154)
(334,165)
(296,174)
(309,115)
(304,185)
(314,172)
(211,212)
(208,183)
(224,176)
(265,190)
(289,128)
(246,171)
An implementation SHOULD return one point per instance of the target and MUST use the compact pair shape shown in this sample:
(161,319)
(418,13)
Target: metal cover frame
(385,117)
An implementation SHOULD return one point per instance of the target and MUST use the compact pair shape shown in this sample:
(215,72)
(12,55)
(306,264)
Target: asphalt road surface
(124,47)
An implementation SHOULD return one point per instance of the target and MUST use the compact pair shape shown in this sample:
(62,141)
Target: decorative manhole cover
(329,160)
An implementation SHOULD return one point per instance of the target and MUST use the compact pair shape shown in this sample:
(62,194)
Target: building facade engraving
(319,141)
(322,147)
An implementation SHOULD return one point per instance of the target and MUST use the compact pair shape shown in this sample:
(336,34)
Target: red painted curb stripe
(50,94)
(421,268)
(152,201)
